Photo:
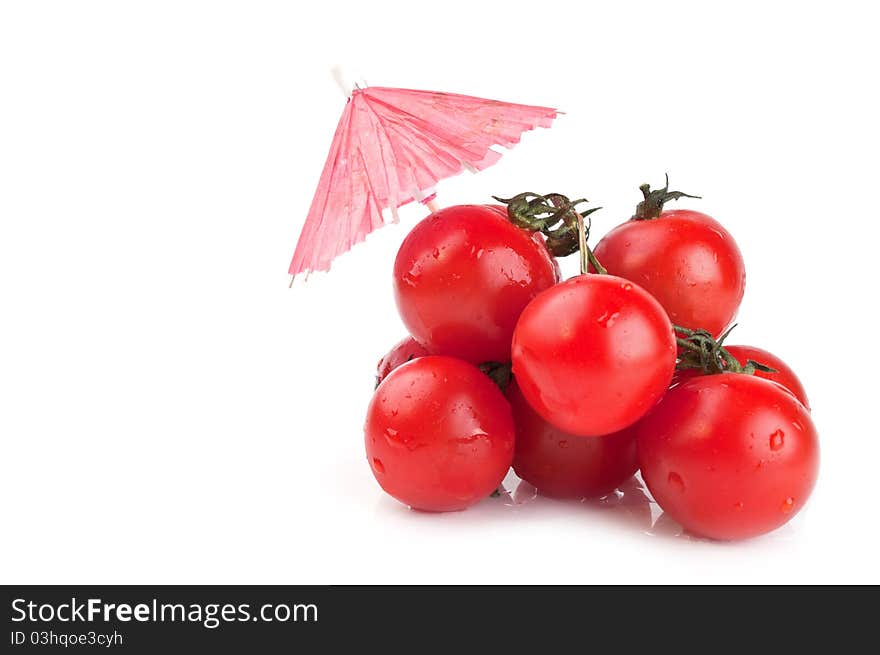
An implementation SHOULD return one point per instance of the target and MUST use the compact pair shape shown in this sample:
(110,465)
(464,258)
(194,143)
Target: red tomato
(783,375)
(403,351)
(593,354)
(439,434)
(537,237)
(463,276)
(686,260)
(728,455)
(563,465)
(501,209)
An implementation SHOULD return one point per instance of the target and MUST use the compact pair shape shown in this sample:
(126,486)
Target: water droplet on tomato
(626,287)
(777,440)
(797,426)
(738,505)
(378,467)
(675,481)
(479,253)
(563,444)
(788,505)
(607,319)
(435,253)
(390,432)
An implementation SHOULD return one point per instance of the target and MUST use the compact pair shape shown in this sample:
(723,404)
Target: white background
(170,412)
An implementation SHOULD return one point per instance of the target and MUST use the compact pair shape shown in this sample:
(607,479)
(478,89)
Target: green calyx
(652,205)
(499,372)
(702,352)
(558,219)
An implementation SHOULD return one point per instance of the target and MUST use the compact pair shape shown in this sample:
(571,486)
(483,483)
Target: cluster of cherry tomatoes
(579,384)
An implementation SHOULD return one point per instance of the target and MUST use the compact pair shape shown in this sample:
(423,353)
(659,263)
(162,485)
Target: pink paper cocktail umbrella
(391,147)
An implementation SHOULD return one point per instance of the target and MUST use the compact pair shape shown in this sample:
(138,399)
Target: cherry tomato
(501,209)
(729,455)
(784,375)
(564,465)
(439,434)
(593,354)
(402,352)
(463,276)
(686,260)
(537,237)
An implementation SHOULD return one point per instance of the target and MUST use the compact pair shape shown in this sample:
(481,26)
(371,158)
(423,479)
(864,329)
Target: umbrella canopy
(391,147)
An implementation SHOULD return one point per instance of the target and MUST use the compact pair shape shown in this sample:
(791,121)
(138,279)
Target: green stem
(652,204)
(601,270)
(582,243)
(708,355)
(566,229)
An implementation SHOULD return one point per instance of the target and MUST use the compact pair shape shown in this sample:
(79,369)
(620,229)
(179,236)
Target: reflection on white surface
(630,508)
(630,504)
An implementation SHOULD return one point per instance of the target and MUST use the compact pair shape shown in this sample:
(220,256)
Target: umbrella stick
(432,205)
